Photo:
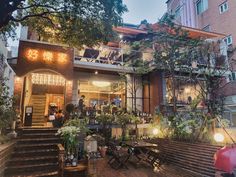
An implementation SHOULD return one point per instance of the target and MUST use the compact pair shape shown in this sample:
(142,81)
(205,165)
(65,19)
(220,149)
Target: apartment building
(208,15)
(5,69)
(213,16)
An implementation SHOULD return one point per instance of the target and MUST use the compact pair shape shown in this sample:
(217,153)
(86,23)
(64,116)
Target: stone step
(15,161)
(38,140)
(38,120)
(37,169)
(35,153)
(47,173)
(26,147)
(38,124)
(39,110)
(39,135)
(30,130)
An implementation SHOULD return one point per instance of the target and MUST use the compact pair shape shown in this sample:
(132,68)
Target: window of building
(202,5)
(177,12)
(207,28)
(223,7)
(229,40)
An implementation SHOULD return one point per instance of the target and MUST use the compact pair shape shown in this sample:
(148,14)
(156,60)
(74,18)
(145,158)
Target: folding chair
(119,157)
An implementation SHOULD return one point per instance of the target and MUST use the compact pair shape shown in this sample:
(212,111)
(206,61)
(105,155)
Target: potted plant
(106,121)
(69,136)
(123,119)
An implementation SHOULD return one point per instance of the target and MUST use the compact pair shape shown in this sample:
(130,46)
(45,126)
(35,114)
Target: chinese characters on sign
(32,54)
(46,56)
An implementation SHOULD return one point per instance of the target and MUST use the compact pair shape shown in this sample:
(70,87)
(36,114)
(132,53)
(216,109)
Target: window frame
(201,6)
(207,27)
(177,10)
(226,39)
(222,7)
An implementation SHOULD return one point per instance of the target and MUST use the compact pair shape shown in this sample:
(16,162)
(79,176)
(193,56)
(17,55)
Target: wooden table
(143,149)
(78,171)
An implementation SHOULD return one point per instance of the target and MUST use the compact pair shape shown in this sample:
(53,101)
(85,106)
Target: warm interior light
(101,83)
(187,90)
(17,79)
(47,79)
(219,137)
(96,72)
(155,131)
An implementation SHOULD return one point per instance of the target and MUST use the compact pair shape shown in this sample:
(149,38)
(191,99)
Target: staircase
(35,154)
(38,102)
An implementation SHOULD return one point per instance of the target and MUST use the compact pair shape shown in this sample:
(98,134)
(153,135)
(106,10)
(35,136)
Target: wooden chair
(119,156)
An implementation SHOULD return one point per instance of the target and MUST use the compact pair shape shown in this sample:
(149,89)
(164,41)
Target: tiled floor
(102,169)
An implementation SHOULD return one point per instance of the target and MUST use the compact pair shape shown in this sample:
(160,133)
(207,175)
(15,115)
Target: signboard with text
(35,56)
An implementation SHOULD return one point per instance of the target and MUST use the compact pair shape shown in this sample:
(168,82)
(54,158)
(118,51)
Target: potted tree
(123,119)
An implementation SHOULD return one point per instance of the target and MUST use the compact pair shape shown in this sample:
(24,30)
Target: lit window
(228,40)
(202,5)
(223,7)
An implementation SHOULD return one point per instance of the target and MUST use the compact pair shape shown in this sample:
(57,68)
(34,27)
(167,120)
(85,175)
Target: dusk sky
(151,10)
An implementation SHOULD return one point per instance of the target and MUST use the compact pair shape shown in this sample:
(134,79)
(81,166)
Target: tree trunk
(174,95)
(135,95)
(136,131)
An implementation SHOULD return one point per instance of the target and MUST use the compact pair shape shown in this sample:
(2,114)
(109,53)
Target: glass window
(177,12)
(206,28)
(223,7)
(229,40)
(202,5)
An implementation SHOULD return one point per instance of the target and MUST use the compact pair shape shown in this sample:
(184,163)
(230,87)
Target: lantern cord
(226,131)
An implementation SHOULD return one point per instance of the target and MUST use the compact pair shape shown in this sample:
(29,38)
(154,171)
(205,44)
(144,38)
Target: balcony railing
(102,55)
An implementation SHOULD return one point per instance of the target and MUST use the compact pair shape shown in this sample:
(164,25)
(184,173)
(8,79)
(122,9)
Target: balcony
(102,58)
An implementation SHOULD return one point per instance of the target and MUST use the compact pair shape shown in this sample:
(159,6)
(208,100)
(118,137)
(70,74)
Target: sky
(151,10)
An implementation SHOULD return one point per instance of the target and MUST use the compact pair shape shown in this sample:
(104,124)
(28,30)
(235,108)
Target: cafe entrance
(45,93)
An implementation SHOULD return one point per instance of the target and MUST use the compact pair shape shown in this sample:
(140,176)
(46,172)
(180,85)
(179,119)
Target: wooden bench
(195,157)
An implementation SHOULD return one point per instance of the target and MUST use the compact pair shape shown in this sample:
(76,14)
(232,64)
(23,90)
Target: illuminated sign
(46,56)
(34,56)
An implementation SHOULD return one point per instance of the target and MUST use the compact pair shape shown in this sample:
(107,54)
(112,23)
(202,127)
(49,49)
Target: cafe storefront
(47,80)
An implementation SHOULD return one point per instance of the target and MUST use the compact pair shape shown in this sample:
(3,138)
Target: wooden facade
(152,92)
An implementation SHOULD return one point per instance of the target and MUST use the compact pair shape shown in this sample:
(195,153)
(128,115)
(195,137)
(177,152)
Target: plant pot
(103,151)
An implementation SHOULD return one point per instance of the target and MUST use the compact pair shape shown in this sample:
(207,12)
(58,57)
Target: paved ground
(102,169)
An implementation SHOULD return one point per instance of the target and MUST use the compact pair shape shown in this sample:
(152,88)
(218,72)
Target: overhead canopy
(129,31)
(197,33)
(193,32)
